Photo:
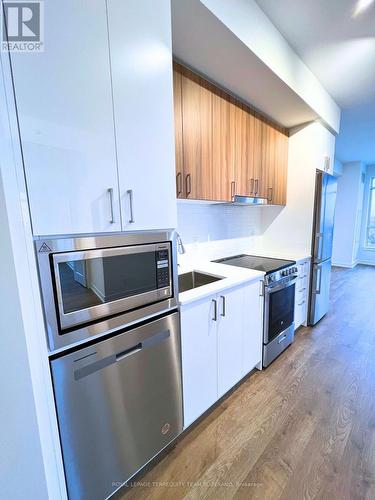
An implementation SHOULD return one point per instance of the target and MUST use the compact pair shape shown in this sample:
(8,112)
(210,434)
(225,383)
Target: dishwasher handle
(129,352)
(99,364)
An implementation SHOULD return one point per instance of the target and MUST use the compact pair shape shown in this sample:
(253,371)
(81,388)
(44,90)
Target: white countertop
(231,275)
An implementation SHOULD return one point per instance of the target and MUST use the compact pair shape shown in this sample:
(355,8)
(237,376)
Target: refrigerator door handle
(319,252)
(318,288)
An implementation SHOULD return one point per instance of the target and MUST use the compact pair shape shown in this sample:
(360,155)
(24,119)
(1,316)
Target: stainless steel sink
(194,279)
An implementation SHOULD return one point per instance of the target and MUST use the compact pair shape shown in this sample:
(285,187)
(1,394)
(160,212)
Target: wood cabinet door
(199,357)
(197,99)
(177,100)
(223,146)
(274,164)
(278,188)
(65,113)
(266,178)
(244,151)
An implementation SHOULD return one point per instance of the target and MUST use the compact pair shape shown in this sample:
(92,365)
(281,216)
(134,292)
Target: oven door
(95,284)
(278,309)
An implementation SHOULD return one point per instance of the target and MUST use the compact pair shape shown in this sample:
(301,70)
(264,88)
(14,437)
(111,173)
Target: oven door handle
(277,288)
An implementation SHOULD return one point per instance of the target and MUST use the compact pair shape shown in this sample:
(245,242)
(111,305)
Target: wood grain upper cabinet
(274,160)
(244,151)
(223,146)
(141,61)
(197,97)
(65,112)
(278,195)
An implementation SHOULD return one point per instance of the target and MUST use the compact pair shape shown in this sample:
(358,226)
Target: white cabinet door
(65,111)
(141,59)
(252,339)
(199,358)
(231,311)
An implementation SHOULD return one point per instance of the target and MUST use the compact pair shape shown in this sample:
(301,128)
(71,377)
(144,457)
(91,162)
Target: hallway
(302,429)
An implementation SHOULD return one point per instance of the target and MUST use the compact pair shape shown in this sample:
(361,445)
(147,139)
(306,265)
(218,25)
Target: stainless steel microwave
(94,285)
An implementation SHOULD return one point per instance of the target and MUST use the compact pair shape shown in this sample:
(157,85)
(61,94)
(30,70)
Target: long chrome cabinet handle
(223,306)
(215,310)
(256,186)
(130,194)
(270,194)
(111,214)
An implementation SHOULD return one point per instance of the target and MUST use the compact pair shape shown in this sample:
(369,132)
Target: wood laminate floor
(302,429)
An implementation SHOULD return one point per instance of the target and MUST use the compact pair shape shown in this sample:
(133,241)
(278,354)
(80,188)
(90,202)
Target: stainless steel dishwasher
(119,402)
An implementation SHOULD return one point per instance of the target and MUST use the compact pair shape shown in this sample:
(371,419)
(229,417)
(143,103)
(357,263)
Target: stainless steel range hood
(247,200)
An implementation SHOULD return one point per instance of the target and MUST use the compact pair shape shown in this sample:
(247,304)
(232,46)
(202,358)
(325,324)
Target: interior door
(65,112)
(141,61)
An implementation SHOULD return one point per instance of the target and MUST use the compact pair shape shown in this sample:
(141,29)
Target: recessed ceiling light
(361,6)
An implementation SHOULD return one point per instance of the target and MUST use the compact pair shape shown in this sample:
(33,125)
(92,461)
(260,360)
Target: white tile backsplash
(211,231)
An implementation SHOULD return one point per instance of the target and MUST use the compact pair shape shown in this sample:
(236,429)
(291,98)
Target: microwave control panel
(162,268)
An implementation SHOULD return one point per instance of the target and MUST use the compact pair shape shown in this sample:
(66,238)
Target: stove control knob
(284,273)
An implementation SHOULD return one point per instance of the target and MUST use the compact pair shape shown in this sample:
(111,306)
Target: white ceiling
(339,48)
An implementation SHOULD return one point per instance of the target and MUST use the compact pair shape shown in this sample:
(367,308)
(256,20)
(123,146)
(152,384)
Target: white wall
(21,464)
(30,456)
(366,256)
(337,167)
(289,229)
(348,215)
(214,230)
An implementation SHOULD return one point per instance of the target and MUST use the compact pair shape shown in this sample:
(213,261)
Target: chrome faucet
(180,246)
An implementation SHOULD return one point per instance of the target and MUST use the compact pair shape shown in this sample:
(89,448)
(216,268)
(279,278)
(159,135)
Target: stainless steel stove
(279,292)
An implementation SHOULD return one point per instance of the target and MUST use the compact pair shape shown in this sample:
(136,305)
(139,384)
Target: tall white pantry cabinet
(95,112)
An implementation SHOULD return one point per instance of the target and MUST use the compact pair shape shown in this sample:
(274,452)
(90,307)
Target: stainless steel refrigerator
(324,214)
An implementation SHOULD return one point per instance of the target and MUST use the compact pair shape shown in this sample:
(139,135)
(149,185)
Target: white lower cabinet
(221,338)
(199,358)
(302,293)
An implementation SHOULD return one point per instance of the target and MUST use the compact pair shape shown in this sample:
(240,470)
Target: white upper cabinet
(141,60)
(65,110)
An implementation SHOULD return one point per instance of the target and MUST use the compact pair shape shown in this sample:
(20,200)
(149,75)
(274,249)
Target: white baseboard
(366,262)
(347,265)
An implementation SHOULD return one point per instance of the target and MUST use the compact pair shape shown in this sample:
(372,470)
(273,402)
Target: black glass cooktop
(265,264)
